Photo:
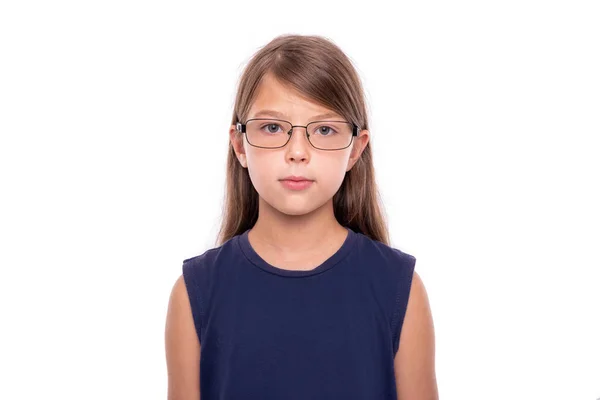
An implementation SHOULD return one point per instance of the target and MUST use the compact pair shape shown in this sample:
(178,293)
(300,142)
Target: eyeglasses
(275,133)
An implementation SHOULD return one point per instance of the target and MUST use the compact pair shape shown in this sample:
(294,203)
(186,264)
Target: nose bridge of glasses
(291,131)
(298,126)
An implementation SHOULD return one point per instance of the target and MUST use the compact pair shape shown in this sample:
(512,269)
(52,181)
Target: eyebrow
(277,114)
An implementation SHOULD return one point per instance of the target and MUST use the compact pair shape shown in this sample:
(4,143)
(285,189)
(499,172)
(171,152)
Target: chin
(296,208)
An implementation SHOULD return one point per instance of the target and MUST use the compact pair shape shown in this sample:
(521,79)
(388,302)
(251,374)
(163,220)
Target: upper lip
(295,178)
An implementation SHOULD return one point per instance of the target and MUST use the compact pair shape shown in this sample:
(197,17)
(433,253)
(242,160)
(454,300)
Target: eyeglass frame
(241,127)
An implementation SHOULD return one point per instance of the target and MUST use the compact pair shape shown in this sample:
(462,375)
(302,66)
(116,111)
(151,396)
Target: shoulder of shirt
(208,257)
(391,255)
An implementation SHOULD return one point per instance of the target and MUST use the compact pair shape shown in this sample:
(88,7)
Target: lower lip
(296,185)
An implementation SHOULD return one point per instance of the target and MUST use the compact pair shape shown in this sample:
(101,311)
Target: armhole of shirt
(190,269)
(405,278)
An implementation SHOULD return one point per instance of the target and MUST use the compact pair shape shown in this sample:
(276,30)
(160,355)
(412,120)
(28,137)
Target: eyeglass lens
(329,135)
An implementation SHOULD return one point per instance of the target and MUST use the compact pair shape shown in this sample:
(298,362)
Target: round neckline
(334,259)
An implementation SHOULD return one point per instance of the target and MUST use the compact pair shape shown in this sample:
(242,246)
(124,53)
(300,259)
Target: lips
(295,178)
(298,184)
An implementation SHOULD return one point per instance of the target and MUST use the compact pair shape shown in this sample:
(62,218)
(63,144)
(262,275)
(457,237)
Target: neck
(296,234)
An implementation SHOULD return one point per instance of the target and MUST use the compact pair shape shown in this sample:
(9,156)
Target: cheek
(262,170)
(331,173)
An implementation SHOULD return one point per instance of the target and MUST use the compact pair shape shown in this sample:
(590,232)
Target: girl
(303,298)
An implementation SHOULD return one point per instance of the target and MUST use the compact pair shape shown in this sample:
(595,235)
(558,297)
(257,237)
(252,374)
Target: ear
(358,145)
(237,142)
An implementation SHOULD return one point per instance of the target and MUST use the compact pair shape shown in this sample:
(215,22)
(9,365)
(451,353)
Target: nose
(297,147)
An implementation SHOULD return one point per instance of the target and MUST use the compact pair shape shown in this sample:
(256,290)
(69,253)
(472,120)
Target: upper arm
(182,346)
(414,363)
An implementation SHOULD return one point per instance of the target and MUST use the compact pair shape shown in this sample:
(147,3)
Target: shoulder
(179,310)
(391,268)
(386,255)
(203,274)
(195,273)
(414,362)
(203,265)
(212,255)
(182,346)
(200,260)
(179,304)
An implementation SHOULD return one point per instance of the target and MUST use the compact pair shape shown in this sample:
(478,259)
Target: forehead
(273,99)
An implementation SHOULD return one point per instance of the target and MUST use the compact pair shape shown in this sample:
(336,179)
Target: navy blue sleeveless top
(327,333)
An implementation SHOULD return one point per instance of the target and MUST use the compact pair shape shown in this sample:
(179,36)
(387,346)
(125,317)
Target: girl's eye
(324,130)
(271,128)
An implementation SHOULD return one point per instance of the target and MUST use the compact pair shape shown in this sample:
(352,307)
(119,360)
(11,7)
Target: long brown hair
(319,70)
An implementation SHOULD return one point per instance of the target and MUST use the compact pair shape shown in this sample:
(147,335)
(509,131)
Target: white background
(485,120)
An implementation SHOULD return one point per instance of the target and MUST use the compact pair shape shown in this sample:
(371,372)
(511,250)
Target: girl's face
(268,167)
